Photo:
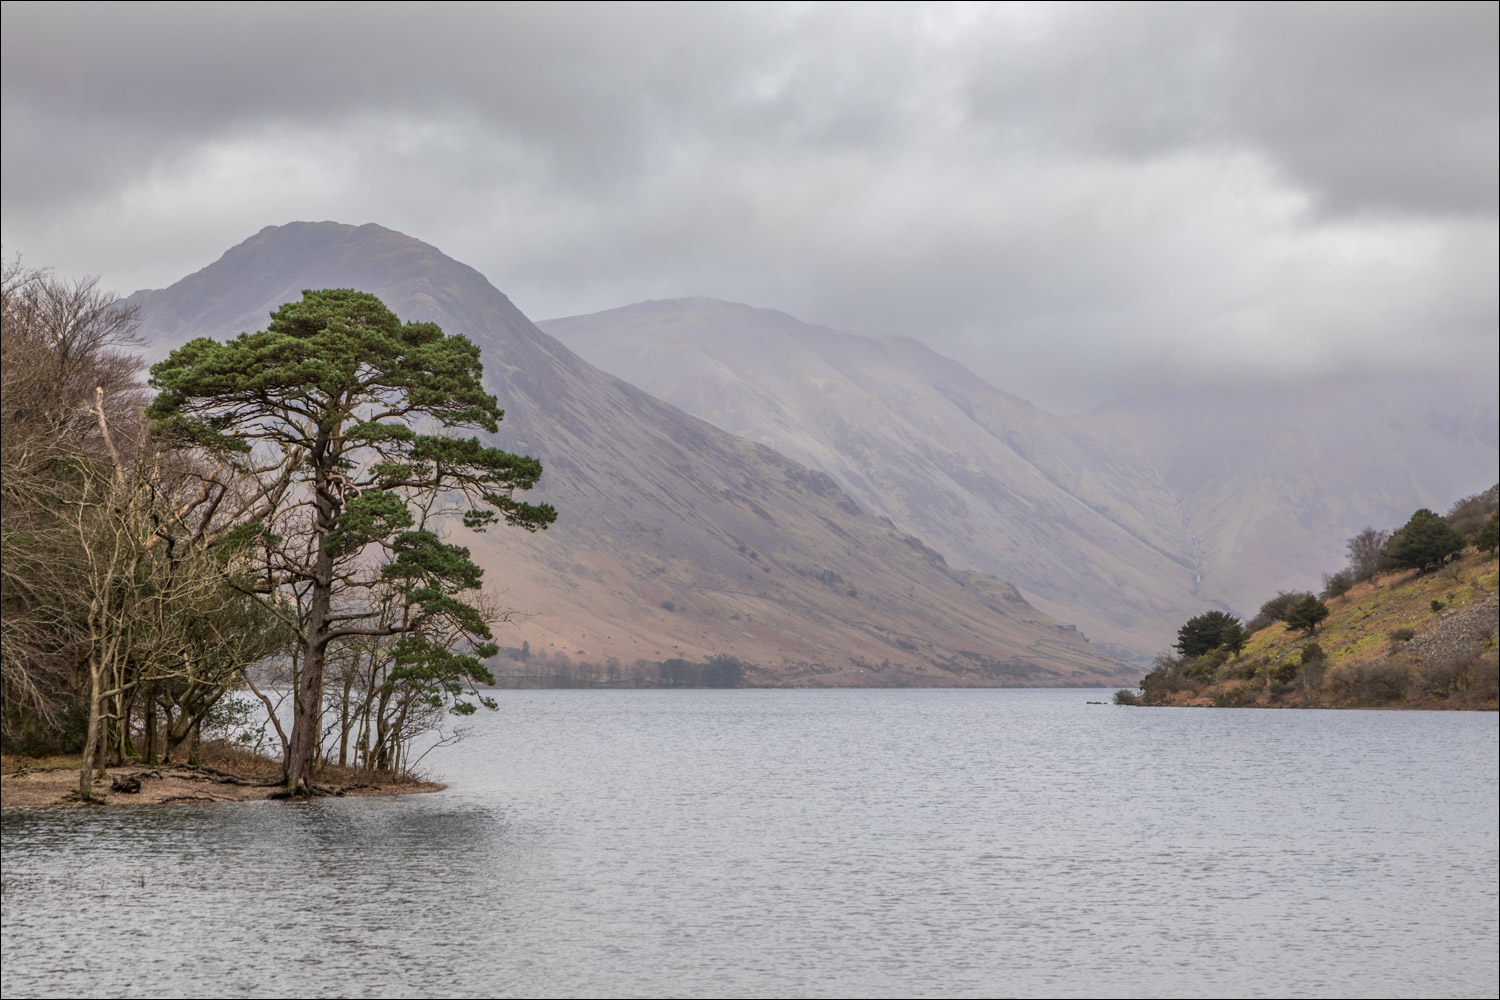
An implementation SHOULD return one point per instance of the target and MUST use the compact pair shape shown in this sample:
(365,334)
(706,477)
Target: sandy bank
(48,784)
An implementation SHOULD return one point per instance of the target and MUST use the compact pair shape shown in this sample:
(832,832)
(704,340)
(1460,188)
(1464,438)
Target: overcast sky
(1080,202)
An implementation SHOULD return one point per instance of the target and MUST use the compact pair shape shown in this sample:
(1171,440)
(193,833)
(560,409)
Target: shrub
(1312,674)
(1367,553)
(1437,605)
(1284,673)
(1384,680)
(1237,670)
(1487,679)
(1281,690)
(1487,538)
(1276,608)
(1204,667)
(1235,697)
(1449,675)
(1313,653)
(1468,515)
(1124,697)
(1168,674)
(1403,635)
(1306,614)
(1337,584)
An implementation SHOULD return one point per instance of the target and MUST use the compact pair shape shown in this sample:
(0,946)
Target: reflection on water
(842,843)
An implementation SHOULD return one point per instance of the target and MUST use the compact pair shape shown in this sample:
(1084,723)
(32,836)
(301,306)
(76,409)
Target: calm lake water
(818,843)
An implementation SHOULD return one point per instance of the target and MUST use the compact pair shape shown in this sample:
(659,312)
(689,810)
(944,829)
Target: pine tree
(1306,614)
(1423,541)
(340,410)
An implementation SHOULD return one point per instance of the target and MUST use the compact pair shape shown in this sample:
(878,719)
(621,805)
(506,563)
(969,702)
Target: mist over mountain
(1127,520)
(1083,526)
(1275,480)
(675,538)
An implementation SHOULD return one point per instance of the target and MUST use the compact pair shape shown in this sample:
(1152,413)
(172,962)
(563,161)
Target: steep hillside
(1403,640)
(1085,528)
(675,539)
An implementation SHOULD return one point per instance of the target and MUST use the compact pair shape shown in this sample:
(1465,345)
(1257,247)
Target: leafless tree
(1367,553)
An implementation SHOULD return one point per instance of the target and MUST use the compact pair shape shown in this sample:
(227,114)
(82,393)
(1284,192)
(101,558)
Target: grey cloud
(1367,106)
(1079,200)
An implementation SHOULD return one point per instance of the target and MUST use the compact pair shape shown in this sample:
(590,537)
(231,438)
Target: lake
(816,843)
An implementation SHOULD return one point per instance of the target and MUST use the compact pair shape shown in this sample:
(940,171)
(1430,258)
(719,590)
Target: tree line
(280,510)
(513,669)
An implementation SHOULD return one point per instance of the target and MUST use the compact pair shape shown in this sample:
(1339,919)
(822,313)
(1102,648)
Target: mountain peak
(239,291)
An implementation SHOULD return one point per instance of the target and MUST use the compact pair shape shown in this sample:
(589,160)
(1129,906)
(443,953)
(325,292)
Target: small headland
(224,773)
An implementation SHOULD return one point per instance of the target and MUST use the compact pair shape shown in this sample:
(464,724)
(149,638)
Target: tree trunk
(96,698)
(150,737)
(307,708)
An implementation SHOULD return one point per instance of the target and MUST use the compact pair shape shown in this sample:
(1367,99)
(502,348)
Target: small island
(219,772)
(1411,623)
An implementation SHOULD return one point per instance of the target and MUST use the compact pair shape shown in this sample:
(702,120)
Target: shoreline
(46,783)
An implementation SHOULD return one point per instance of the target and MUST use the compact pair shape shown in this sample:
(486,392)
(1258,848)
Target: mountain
(674,538)
(1083,525)
(1127,520)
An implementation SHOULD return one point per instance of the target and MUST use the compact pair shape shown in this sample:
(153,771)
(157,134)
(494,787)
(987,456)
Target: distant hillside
(1126,520)
(675,539)
(1085,528)
(1404,640)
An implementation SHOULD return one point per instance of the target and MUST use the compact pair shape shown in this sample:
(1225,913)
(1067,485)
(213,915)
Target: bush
(1306,614)
(1367,553)
(1237,670)
(1235,697)
(1312,674)
(1281,690)
(1486,679)
(1384,680)
(1284,673)
(1168,674)
(1124,697)
(1276,608)
(1449,676)
(1206,666)
(1403,635)
(1437,605)
(29,735)
(1337,584)
(1487,538)
(1313,653)
(1468,515)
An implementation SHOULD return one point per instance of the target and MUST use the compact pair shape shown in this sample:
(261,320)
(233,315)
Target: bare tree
(65,373)
(1367,553)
